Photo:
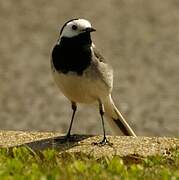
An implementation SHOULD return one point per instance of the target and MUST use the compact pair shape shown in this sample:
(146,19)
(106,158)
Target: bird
(83,75)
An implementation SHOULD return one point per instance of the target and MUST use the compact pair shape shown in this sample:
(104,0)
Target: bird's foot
(103,142)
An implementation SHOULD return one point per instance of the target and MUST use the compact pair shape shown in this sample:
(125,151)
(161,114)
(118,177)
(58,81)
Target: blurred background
(139,38)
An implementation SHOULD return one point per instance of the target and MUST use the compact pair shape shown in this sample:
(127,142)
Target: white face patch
(75,27)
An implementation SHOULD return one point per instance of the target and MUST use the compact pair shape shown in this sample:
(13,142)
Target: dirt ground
(139,38)
(84,144)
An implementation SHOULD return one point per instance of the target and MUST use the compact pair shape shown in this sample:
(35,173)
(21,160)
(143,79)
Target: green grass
(24,163)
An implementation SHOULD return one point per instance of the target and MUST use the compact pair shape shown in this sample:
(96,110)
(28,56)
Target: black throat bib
(72,54)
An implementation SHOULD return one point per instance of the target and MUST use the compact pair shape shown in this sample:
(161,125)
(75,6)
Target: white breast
(83,89)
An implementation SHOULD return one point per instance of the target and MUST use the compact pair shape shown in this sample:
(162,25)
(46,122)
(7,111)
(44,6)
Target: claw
(103,142)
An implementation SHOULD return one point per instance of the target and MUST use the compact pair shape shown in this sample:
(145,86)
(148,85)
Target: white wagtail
(83,76)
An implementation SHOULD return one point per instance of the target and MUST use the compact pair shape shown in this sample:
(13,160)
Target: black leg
(74,107)
(101,111)
(68,136)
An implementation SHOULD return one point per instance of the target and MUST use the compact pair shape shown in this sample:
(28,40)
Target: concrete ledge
(122,145)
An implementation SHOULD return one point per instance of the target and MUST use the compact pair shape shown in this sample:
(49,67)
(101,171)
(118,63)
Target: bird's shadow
(57,143)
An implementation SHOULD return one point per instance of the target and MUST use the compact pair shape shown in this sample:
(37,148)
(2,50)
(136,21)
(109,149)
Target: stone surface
(121,145)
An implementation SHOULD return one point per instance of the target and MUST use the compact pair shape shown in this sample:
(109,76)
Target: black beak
(90,29)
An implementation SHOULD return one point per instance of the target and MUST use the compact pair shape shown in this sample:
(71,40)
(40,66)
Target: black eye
(74,27)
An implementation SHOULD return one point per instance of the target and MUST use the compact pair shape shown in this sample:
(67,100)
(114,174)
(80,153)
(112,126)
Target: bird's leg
(101,111)
(74,107)
(68,136)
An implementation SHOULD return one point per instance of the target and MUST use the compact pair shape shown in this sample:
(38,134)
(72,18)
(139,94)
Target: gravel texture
(123,146)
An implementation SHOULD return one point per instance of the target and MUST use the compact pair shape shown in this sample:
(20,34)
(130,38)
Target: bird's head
(76,27)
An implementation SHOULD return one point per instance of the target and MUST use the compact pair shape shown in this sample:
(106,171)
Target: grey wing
(104,70)
(97,54)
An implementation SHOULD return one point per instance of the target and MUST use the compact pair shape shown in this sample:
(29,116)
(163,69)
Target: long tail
(116,121)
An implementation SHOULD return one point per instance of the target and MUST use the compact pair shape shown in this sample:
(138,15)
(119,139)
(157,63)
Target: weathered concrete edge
(122,145)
